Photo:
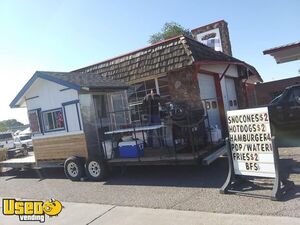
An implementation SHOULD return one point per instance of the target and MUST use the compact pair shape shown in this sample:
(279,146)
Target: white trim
(49,135)
(157,86)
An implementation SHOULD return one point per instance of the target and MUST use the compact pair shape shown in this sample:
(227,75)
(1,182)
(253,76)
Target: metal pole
(208,123)
(231,176)
(136,143)
(174,143)
(191,134)
(276,191)
(103,140)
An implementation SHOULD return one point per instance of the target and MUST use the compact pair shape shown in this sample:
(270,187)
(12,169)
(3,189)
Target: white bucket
(107,148)
(216,134)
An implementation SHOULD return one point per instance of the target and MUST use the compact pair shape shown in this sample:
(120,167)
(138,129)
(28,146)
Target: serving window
(53,120)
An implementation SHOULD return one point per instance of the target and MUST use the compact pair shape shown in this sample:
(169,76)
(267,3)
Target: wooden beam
(223,74)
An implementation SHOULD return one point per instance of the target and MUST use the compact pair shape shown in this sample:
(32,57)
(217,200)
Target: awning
(285,53)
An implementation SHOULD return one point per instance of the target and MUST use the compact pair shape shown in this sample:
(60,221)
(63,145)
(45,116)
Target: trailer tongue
(29,162)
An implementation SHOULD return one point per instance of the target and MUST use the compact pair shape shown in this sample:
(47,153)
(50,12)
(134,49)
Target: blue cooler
(131,149)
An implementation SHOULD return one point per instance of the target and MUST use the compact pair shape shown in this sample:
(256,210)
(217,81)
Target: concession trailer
(95,117)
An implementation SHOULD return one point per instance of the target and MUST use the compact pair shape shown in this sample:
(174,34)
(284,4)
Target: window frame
(51,111)
(112,112)
(137,103)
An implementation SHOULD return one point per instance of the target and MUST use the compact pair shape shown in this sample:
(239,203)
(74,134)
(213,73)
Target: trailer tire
(74,168)
(96,170)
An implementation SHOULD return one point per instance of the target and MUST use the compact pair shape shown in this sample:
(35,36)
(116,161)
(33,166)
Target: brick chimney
(214,35)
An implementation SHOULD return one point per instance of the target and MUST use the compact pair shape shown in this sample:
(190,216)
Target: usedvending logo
(31,210)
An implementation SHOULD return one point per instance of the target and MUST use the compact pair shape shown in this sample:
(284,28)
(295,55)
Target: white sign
(211,38)
(251,142)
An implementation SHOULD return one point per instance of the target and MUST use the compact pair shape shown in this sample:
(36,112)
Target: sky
(64,35)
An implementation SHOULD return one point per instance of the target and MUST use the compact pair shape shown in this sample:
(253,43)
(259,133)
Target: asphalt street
(168,187)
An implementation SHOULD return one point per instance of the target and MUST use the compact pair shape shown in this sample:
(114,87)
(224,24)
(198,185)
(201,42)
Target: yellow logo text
(31,210)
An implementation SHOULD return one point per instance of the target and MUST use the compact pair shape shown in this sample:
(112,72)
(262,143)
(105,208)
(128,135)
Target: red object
(60,120)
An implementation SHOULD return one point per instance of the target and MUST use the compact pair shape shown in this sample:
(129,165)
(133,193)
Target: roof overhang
(18,101)
(286,53)
(247,66)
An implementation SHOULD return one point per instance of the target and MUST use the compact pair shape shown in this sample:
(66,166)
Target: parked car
(16,152)
(284,110)
(7,140)
(24,141)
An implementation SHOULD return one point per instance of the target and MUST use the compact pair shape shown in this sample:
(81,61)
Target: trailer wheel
(74,168)
(96,169)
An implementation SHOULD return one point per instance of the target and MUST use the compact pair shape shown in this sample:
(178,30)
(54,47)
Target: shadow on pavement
(212,176)
(41,174)
(262,188)
(288,167)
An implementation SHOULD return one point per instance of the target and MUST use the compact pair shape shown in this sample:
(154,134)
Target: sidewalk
(84,213)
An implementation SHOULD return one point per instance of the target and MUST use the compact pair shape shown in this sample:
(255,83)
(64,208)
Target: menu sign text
(251,142)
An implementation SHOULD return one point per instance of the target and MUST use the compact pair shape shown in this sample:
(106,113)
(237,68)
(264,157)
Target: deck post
(276,191)
(136,143)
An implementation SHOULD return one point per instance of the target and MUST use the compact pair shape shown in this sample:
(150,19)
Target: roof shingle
(162,57)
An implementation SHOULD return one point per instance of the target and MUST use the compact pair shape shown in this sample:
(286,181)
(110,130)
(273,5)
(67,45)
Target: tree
(3,128)
(12,124)
(169,30)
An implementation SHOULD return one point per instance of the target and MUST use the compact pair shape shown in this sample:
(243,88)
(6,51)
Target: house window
(138,91)
(120,114)
(163,86)
(34,122)
(136,94)
(54,120)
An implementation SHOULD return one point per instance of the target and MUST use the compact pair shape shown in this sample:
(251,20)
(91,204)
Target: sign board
(251,142)
(211,38)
